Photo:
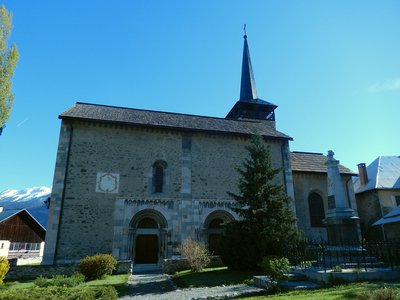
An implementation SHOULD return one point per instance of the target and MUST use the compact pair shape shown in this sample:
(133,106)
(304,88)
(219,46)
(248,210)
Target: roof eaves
(283,137)
(15,213)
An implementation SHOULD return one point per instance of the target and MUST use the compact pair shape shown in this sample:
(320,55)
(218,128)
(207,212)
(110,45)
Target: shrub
(196,253)
(386,293)
(276,268)
(60,280)
(4,267)
(337,269)
(97,266)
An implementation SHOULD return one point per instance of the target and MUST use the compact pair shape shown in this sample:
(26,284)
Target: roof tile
(102,113)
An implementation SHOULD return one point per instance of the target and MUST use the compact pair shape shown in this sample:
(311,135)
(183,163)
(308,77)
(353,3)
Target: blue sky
(332,67)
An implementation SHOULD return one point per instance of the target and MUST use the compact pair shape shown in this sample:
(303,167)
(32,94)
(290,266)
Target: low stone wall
(173,265)
(123,267)
(36,271)
(350,275)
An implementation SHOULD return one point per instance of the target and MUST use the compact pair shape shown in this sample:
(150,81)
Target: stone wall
(369,211)
(200,170)
(373,205)
(16,272)
(304,184)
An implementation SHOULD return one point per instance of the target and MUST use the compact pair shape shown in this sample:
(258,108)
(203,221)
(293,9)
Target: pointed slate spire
(248,84)
(249,106)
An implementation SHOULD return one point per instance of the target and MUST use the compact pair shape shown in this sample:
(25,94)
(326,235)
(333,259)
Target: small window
(317,212)
(159,177)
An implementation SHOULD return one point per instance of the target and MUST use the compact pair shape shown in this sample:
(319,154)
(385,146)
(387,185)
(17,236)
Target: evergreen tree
(268,223)
(8,61)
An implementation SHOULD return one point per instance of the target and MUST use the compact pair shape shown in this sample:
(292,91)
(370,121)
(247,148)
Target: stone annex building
(136,183)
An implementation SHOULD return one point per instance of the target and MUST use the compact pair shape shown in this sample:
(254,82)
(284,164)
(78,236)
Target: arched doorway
(146,245)
(149,238)
(214,230)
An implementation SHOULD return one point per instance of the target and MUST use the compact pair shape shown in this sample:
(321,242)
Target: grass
(211,277)
(18,284)
(119,282)
(348,291)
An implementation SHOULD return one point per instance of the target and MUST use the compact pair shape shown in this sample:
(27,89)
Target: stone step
(147,269)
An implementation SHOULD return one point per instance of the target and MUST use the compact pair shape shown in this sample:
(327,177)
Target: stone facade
(373,205)
(200,170)
(306,183)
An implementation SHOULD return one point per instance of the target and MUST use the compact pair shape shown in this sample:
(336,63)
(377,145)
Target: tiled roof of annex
(313,162)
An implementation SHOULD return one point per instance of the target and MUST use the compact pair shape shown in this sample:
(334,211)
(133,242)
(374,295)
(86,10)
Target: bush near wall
(97,266)
(4,267)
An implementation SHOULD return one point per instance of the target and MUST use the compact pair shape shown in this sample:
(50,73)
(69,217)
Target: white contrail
(22,122)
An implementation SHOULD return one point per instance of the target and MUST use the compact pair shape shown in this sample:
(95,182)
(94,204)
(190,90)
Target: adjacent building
(377,192)
(21,235)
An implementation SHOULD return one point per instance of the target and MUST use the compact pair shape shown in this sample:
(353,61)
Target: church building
(136,183)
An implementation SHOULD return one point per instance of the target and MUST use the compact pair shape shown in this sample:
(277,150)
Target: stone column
(341,220)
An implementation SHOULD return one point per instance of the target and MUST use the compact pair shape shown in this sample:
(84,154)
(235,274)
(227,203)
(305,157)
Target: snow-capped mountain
(32,199)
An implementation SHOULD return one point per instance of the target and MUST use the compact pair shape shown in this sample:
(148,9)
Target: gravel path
(160,287)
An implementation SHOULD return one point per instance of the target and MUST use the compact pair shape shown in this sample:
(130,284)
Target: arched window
(159,176)
(317,212)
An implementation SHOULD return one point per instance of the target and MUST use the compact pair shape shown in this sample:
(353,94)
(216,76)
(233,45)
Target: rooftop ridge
(169,113)
(305,152)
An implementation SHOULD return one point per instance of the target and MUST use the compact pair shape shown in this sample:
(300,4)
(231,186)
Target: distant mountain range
(32,199)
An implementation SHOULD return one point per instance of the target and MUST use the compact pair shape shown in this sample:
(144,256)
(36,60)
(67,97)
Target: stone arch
(213,227)
(149,238)
(316,208)
(153,214)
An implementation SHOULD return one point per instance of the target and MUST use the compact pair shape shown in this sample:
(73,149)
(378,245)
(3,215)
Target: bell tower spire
(248,84)
(249,105)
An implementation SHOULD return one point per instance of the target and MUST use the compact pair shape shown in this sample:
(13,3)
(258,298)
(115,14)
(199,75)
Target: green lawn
(27,288)
(119,282)
(211,277)
(347,291)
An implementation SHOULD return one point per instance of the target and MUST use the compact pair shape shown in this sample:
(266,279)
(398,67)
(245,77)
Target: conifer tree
(8,61)
(268,223)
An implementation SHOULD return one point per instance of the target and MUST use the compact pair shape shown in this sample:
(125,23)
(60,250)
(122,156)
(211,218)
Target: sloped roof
(6,214)
(148,118)
(313,162)
(383,173)
(391,217)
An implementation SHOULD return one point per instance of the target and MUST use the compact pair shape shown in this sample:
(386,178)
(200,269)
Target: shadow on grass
(119,282)
(212,277)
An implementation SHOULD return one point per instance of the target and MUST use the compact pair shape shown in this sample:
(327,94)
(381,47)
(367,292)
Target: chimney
(1,208)
(362,171)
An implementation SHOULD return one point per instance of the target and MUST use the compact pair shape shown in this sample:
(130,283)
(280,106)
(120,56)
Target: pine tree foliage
(268,223)
(8,61)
